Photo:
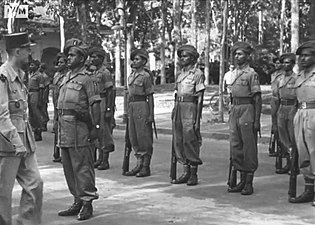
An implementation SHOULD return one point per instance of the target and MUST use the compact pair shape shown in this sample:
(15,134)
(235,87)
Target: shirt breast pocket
(138,82)
(73,92)
(243,82)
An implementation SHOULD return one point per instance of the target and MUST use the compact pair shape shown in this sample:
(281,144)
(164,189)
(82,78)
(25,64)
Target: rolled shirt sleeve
(200,82)
(92,90)
(254,83)
(148,87)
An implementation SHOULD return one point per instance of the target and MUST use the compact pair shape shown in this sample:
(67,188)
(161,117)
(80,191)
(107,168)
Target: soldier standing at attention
(274,103)
(304,120)
(61,66)
(140,113)
(35,89)
(287,99)
(186,115)
(244,118)
(17,144)
(105,84)
(79,121)
(45,97)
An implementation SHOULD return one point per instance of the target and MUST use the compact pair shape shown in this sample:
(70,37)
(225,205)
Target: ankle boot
(193,179)
(240,186)
(137,169)
(184,177)
(86,211)
(73,210)
(145,170)
(104,164)
(307,195)
(99,159)
(287,167)
(38,134)
(248,188)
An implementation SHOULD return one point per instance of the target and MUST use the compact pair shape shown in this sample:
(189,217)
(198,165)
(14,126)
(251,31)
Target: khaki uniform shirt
(15,130)
(245,82)
(140,83)
(274,82)
(58,77)
(305,84)
(105,81)
(36,81)
(77,93)
(189,82)
(286,86)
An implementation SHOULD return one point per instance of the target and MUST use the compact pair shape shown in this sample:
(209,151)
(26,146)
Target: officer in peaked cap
(17,144)
(79,125)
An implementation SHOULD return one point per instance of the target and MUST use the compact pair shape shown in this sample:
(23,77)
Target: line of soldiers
(84,100)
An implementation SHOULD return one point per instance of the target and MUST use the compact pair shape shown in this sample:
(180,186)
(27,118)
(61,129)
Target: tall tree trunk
(117,59)
(207,50)
(312,22)
(282,15)
(163,77)
(82,20)
(12,14)
(294,25)
(193,26)
(176,30)
(260,24)
(222,58)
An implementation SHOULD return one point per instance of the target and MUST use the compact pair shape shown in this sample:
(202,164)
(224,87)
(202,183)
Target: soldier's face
(96,59)
(240,57)
(307,58)
(61,64)
(278,65)
(138,62)
(75,59)
(287,64)
(186,59)
(33,67)
(23,55)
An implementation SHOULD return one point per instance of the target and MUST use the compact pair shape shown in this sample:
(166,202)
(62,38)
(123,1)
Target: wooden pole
(207,50)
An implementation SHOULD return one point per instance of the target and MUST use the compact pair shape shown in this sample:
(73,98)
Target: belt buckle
(303,105)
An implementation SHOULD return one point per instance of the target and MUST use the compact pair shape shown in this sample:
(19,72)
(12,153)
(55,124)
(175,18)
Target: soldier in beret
(140,113)
(35,89)
(304,123)
(244,118)
(79,125)
(17,144)
(286,98)
(186,115)
(61,66)
(105,84)
(274,104)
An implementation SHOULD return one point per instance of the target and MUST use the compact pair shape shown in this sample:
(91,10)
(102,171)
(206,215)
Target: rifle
(127,151)
(272,144)
(294,172)
(279,155)
(232,179)
(173,169)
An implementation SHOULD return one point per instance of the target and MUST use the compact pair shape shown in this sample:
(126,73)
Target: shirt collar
(12,74)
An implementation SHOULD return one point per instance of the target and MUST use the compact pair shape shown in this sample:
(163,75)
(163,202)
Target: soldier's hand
(20,152)
(257,128)
(94,134)
(149,120)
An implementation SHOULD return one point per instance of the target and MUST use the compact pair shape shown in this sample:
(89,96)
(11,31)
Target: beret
(242,46)
(98,51)
(291,56)
(60,55)
(141,52)
(78,44)
(189,49)
(309,44)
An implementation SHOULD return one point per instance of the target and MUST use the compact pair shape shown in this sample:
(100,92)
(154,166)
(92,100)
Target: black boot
(240,186)
(86,211)
(307,195)
(38,134)
(285,169)
(137,169)
(145,170)
(56,155)
(248,188)
(193,179)
(99,159)
(184,177)
(73,210)
(104,164)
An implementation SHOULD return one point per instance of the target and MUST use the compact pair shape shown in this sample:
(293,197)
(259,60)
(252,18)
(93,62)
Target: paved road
(154,201)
